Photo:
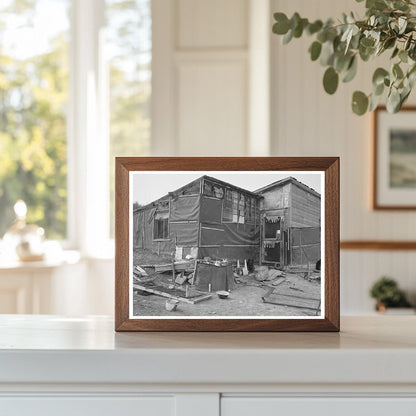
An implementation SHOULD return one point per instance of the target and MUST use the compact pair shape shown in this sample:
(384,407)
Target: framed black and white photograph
(394,183)
(238,249)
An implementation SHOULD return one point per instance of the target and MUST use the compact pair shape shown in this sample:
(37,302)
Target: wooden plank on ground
(293,301)
(141,271)
(168,295)
(179,266)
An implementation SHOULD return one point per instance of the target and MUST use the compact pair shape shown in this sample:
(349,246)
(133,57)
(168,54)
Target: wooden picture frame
(129,174)
(391,174)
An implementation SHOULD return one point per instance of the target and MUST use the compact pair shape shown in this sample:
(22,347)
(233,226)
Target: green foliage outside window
(33,99)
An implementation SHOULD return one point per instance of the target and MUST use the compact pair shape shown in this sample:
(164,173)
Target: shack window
(214,190)
(160,226)
(227,209)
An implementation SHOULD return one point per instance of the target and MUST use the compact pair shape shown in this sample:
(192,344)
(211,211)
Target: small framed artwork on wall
(394,178)
(227,244)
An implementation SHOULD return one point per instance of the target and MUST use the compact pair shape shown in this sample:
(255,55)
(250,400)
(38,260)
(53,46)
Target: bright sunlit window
(33,100)
(129,43)
(41,73)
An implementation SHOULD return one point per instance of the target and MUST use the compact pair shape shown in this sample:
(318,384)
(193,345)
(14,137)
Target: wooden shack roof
(188,185)
(284,181)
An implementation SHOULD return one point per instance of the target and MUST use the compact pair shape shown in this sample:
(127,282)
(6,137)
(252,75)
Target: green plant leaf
(403,56)
(288,37)
(393,101)
(379,75)
(374,102)
(315,50)
(327,53)
(397,71)
(330,80)
(408,42)
(359,103)
(395,52)
(281,27)
(351,71)
(314,27)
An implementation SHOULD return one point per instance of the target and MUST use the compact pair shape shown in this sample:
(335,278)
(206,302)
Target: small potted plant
(387,294)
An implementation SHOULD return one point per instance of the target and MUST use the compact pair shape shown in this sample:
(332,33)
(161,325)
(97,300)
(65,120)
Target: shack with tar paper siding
(278,224)
(290,218)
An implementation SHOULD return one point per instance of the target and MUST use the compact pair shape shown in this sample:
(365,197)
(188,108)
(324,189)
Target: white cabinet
(272,406)
(88,406)
(52,365)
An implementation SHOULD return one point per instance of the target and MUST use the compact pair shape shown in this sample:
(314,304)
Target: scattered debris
(223,294)
(181,278)
(278,281)
(141,271)
(171,305)
(285,298)
(161,291)
(180,265)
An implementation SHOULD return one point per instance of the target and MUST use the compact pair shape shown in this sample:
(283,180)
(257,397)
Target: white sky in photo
(150,186)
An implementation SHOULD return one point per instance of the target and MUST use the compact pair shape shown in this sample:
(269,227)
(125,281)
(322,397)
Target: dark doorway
(271,228)
(272,254)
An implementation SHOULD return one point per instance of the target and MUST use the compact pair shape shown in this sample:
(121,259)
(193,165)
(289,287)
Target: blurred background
(83,81)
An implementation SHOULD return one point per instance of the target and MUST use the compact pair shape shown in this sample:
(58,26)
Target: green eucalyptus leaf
(327,54)
(402,22)
(298,30)
(281,27)
(314,27)
(322,36)
(395,52)
(288,37)
(315,50)
(374,102)
(397,71)
(351,71)
(379,75)
(378,89)
(376,4)
(330,80)
(366,53)
(367,42)
(359,103)
(393,101)
(408,42)
(400,5)
(403,56)
(341,62)
(389,43)
(294,20)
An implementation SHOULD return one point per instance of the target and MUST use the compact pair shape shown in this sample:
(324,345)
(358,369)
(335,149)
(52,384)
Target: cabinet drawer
(274,406)
(87,406)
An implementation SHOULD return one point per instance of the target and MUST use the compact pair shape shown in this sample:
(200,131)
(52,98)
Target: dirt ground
(244,300)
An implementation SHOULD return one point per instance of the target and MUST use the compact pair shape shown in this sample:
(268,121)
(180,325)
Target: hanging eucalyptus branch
(389,27)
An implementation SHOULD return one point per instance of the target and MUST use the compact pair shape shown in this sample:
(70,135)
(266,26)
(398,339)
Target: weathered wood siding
(305,208)
(276,198)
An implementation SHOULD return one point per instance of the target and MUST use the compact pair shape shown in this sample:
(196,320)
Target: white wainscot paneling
(212,108)
(269,406)
(360,269)
(212,24)
(308,122)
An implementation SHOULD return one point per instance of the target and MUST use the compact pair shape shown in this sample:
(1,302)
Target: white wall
(200,77)
(213,79)
(308,122)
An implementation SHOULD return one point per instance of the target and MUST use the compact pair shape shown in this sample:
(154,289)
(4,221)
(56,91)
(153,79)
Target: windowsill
(64,257)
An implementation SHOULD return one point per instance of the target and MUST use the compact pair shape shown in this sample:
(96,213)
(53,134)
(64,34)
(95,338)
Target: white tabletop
(376,349)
